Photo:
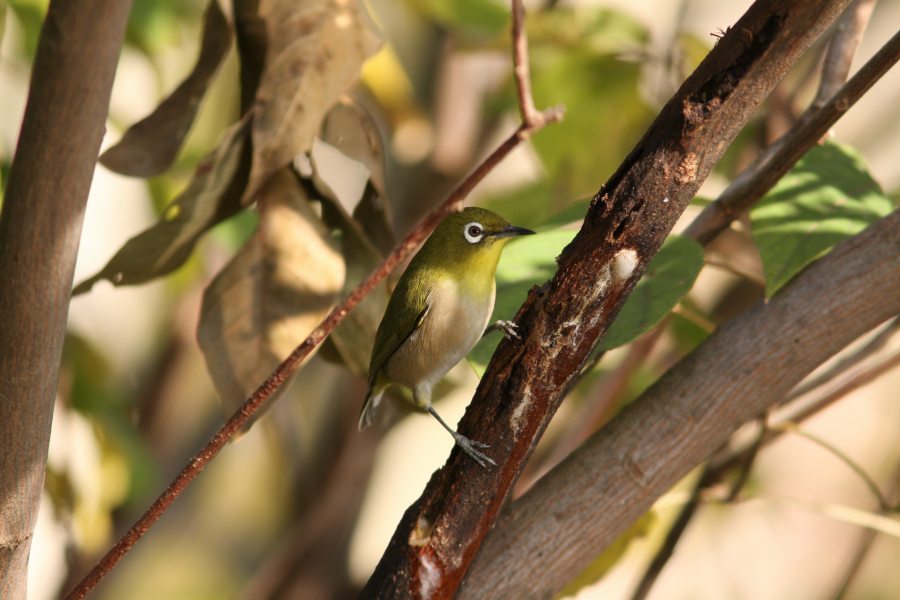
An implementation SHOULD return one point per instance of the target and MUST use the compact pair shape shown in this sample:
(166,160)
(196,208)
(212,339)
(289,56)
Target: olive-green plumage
(439,310)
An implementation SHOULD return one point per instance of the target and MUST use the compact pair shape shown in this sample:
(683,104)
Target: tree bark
(40,228)
(629,218)
(549,535)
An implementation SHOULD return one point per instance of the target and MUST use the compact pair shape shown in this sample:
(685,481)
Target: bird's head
(471,239)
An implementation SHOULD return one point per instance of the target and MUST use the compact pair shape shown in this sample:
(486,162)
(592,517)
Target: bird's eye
(474,232)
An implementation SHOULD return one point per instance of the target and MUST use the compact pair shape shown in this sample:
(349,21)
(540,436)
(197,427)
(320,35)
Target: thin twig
(815,406)
(865,543)
(707,479)
(841,48)
(842,456)
(874,345)
(777,159)
(535,121)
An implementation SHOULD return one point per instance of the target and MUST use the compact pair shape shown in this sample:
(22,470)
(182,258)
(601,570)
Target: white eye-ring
(474,232)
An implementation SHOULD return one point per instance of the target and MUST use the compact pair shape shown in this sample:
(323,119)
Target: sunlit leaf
(526,262)
(149,146)
(827,197)
(316,50)
(212,196)
(271,295)
(669,276)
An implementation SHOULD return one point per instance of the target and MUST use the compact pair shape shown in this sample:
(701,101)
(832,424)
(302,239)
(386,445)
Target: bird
(440,308)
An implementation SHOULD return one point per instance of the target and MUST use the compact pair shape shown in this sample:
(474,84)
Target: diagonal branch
(536,120)
(777,159)
(580,507)
(562,320)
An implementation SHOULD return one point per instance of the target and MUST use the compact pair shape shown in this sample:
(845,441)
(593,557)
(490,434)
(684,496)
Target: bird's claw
(471,447)
(509,329)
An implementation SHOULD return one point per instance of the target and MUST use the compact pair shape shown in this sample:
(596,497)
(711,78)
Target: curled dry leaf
(149,146)
(316,49)
(350,134)
(351,342)
(213,195)
(271,295)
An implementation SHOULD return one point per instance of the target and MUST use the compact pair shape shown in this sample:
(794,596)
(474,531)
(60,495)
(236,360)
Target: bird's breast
(456,320)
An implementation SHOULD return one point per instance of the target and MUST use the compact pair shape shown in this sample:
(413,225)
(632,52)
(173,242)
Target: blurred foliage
(598,62)
(475,18)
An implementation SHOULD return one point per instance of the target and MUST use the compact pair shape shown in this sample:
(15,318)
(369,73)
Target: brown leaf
(272,294)
(212,196)
(351,342)
(149,146)
(316,49)
(250,31)
(352,130)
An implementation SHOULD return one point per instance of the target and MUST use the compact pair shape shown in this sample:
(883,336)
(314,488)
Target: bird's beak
(512,231)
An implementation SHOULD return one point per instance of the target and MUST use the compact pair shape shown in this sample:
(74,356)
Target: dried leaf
(316,50)
(213,195)
(352,130)
(351,342)
(272,294)
(149,146)
(250,31)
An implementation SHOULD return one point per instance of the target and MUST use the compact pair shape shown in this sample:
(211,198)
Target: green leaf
(468,17)
(526,262)
(827,197)
(669,276)
(577,61)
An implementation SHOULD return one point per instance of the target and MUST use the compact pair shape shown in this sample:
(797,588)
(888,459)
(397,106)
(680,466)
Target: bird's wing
(389,338)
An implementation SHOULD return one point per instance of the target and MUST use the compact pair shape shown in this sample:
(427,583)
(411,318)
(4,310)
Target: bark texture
(629,218)
(548,536)
(40,227)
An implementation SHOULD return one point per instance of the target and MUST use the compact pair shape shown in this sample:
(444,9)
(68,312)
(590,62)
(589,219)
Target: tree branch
(839,55)
(287,368)
(777,159)
(562,320)
(551,533)
(40,228)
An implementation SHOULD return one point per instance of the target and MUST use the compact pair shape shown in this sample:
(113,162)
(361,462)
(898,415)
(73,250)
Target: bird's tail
(370,407)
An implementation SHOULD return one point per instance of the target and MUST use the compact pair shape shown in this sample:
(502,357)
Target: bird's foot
(472,448)
(509,328)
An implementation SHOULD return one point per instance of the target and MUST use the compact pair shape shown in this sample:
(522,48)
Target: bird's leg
(470,447)
(509,329)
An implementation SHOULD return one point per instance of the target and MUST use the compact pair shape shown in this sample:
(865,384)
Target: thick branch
(748,365)
(562,321)
(40,228)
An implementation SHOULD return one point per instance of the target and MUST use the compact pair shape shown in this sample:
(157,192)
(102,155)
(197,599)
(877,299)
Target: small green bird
(438,312)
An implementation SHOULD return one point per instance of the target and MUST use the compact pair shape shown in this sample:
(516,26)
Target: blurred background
(302,506)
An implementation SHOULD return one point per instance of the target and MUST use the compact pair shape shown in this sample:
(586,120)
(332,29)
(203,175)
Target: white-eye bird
(438,312)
